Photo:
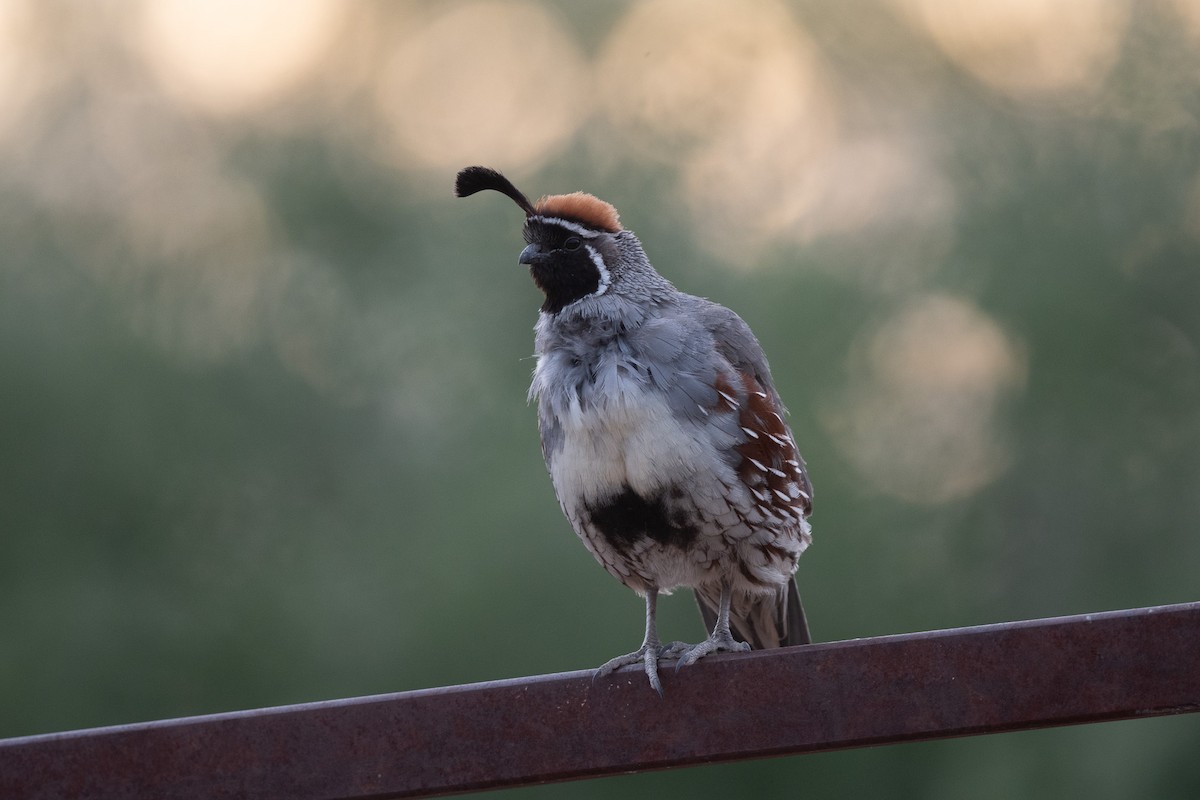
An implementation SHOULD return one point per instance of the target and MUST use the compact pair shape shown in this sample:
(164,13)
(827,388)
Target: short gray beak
(531,254)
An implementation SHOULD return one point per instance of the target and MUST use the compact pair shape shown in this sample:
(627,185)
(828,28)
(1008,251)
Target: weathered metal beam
(1123,664)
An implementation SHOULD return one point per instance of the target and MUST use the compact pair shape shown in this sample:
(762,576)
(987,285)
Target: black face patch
(628,517)
(563,268)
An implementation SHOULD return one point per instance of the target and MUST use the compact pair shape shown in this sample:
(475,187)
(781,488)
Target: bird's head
(575,245)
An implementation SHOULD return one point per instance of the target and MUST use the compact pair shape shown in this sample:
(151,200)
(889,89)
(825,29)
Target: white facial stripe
(573,227)
(605,278)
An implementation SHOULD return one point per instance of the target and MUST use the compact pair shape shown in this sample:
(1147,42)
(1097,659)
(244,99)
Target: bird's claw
(647,655)
(673,650)
(717,643)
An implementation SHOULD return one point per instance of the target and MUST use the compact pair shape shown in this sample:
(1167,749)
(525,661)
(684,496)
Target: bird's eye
(572,243)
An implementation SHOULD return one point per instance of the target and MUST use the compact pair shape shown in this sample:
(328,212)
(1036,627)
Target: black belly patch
(628,517)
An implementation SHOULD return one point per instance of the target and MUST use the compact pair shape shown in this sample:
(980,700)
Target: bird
(662,431)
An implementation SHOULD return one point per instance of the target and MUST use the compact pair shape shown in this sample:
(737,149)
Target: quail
(662,432)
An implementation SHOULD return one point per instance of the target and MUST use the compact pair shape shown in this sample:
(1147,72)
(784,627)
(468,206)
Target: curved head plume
(476,179)
(575,207)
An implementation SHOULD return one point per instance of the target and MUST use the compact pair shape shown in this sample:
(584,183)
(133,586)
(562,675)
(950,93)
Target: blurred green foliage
(263,430)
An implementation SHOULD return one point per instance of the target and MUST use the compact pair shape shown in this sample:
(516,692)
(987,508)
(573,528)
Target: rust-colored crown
(579,207)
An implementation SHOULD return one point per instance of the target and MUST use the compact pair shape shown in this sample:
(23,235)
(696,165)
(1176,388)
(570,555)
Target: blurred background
(263,429)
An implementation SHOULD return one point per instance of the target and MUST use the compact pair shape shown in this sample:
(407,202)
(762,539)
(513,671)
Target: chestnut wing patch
(770,467)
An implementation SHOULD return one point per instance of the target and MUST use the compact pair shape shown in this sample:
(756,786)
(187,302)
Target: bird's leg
(648,653)
(721,639)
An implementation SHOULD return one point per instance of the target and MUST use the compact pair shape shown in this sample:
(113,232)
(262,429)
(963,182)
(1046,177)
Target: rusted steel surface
(1135,663)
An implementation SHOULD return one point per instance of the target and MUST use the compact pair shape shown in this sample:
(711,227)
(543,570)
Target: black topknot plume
(475,179)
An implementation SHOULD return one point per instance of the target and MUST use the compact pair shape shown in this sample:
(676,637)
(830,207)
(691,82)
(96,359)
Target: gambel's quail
(662,432)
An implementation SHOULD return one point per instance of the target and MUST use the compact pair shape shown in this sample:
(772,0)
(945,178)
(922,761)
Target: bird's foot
(718,642)
(673,650)
(648,655)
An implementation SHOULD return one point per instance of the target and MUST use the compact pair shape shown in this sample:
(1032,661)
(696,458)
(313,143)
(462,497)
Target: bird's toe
(713,644)
(646,655)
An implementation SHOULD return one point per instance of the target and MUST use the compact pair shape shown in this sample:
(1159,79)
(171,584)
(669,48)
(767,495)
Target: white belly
(633,441)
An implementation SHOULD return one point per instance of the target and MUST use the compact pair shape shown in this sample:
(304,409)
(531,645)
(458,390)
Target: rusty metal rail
(1117,665)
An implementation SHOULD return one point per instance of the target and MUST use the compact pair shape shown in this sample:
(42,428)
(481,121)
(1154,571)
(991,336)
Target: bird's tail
(773,620)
